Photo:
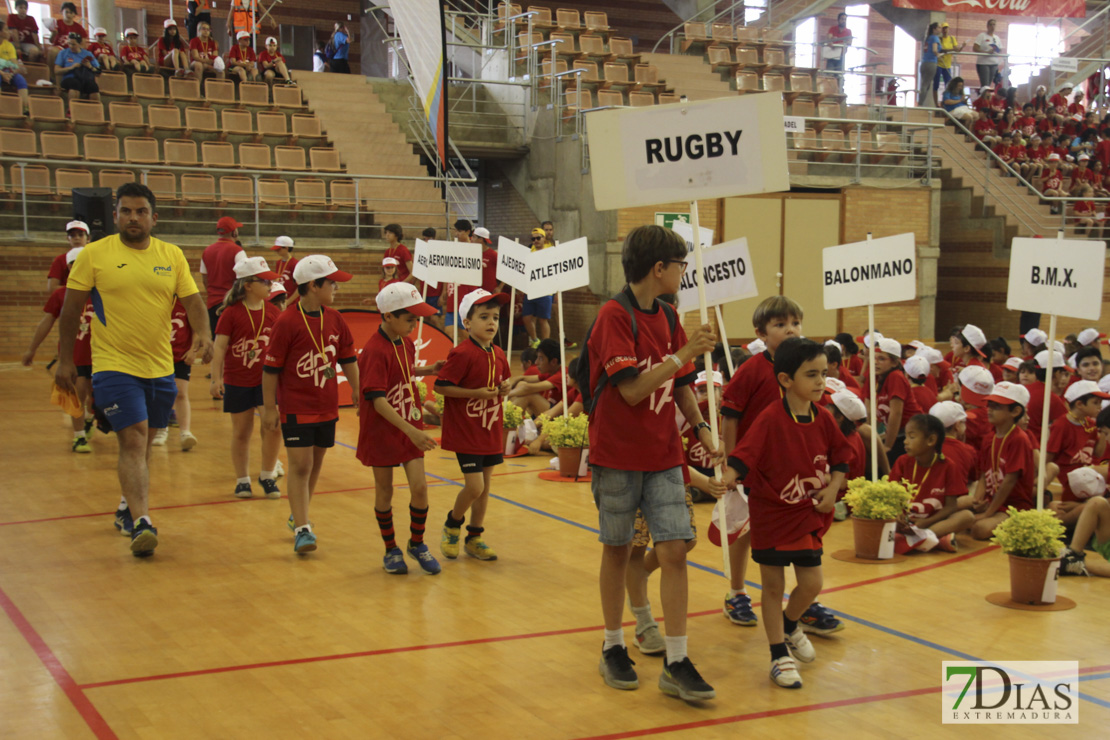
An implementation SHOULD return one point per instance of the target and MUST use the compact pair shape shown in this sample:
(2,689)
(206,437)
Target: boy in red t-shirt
(390,430)
(103,50)
(241,61)
(917,370)
(306,342)
(286,263)
(394,235)
(181,341)
(272,63)
(1006,459)
(472,381)
(1071,443)
(132,54)
(77,236)
(638,376)
(63,27)
(539,395)
(793,461)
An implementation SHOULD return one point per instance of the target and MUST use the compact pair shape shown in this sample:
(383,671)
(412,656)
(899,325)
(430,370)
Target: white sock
(736,592)
(676,648)
(79,435)
(613,637)
(145,519)
(303,528)
(643,617)
(246,480)
(267,475)
(122,504)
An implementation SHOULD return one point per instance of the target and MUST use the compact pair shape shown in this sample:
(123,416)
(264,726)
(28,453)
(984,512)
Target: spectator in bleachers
(985,130)
(173,54)
(103,51)
(77,69)
(132,54)
(1077,108)
(69,24)
(930,49)
(948,43)
(272,63)
(837,41)
(1037,153)
(1059,103)
(1052,184)
(11,70)
(1019,156)
(25,32)
(956,103)
(1085,216)
(204,52)
(1002,148)
(988,43)
(1040,101)
(241,61)
(1027,122)
(197,12)
(340,43)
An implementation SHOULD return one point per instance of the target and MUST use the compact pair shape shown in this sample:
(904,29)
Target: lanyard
(812,417)
(329,371)
(406,374)
(924,478)
(261,326)
(996,460)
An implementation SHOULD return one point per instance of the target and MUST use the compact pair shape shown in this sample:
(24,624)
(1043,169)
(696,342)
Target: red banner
(1029,8)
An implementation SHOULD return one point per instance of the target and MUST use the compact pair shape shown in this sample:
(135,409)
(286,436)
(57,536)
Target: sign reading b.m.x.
(1055,276)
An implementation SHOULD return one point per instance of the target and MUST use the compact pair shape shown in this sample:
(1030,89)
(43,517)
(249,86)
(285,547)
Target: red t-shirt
(983,127)
(1035,409)
(935,483)
(62,30)
(1059,103)
(82,348)
(209,51)
(850,382)
(248,335)
(240,54)
(489,270)
(1018,153)
(304,390)
(1028,125)
(385,370)
(285,269)
(1073,446)
(402,254)
(894,385)
(697,455)
(924,397)
(59,269)
(383,283)
(1001,457)
(643,437)
(1051,180)
(472,426)
(753,388)
(963,457)
(27,28)
(218,263)
(789,462)
(855,365)
(162,50)
(128,53)
(264,58)
(98,49)
(996,372)
(181,332)
(978,427)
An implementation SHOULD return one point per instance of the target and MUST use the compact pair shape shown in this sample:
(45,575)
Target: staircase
(690,76)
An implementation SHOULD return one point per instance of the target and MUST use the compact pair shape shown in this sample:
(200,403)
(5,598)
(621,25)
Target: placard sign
(420,267)
(728,276)
(1057,276)
(564,267)
(448,262)
(512,263)
(871,272)
(1065,64)
(669,153)
(686,231)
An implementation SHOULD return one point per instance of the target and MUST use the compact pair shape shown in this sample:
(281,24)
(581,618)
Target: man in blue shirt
(340,42)
(77,68)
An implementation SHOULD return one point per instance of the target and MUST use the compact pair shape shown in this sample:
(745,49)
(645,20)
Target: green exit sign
(666,220)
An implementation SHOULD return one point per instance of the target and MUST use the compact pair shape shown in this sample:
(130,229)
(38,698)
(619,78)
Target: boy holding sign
(640,369)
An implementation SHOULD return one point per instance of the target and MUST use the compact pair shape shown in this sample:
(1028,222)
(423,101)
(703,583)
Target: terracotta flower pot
(570,458)
(868,534)
(1028,577)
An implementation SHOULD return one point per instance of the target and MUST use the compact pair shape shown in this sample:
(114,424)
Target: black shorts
(182,370)
(85,87)
(213,318)
(316,434)
(84,371)
(786,558)
(239,398)
(477,463)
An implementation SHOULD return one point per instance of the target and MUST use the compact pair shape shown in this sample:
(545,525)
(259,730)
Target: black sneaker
(682,679)
(1072,563)
(144,538)
(243,490)
(89,422)
(270,487)
(124,522)
(616,669)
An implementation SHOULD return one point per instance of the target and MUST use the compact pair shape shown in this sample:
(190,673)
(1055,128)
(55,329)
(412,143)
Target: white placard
(673,153)
(1048,593)
(794,124)
(886,541)
(560,268)
(512,263)
(728,276)
(686,231)
(448,262)
(1065,64)
(1057,276)
(872,272)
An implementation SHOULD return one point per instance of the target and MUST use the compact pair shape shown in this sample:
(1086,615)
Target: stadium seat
(165,119)
(113,85)
(198,188)
(568,18)
(148,87)
(639,99)
(185,89)
(254,93)
(273,192)
(128,119)
(59,145)
(33,179)
(290,158)
(114,178)
(220,92)
(693,36)
(542,17)
(181,152)
(18,142)
(141,149)
(310,191)
(11,110)
(217,154)
(287,96)
(610,99)
(593,47)
(343,193)
(622,47)
(648,77)
(237,122)
(237,189)
(255,157)
(306,127)
(324,159)
(88,116)
(273,126)
(201,120)
(566,46)
(596,21)
(35,73)
(65,180)
(163,185)
(101,148)
(45,108)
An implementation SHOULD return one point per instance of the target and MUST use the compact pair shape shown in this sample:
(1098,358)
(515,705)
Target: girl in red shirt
(103,51)
(172,51)
(203,53)
(242,336)
(62,29)
(986,131)
(389,272)
(272,63)
(1085,216)
(895,401)
(131,54)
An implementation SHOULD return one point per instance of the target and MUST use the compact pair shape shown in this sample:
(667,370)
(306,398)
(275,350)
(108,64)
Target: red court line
(920,569)
(57,671)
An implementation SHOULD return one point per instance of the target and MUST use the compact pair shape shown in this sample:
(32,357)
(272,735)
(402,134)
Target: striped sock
(385,524)
(417,519)
(473,532)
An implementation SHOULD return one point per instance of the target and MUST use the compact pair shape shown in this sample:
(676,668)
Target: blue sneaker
(293,527)
(144,538)
(818,620)
(394,562)
(123,522)
(304,542)
(739,611)
(424,558)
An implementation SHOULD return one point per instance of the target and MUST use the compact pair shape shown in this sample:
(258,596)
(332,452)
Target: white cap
(1012,363)
(316,266)
(1059,347)
(169,22)
(867,339)
(1054,157)
(277,287)
(950,413)
(71,256)
(390,262)
(931,355)
(478,297)
(130,32)
(1086,483)
(482,233)
(1087,337)
(1036,337)
(975,336)
(77,225)
(834,385)
(399,296)
(1104,383)
(834,343)
(242,35)
(1084,157)
(718,379)
(1005,392)
(283,241)
(1071,363)
(850,405)
(918,344)
(756,346)
(270,40)
(1057,360)
(890,346)
(917,367)
(255,267)
(98,31)
(1081,388)
(976,382)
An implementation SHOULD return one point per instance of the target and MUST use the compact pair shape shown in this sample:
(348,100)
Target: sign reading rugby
(564,267)
(872,272)
(1056,276)
(669,153)
(448,262)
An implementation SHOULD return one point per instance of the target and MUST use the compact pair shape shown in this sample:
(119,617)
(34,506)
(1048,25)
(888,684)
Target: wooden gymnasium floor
(225,633)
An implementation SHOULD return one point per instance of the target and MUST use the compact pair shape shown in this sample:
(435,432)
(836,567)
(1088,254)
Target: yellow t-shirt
(947,43)
(7,51)
(133,295)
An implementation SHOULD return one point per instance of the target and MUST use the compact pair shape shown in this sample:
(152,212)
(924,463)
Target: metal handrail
(670,34)
(1085,23)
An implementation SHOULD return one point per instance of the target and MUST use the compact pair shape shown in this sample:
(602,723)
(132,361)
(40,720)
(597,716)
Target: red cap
(227,224)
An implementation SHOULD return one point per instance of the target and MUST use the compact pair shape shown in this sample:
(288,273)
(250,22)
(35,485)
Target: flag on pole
(422,29)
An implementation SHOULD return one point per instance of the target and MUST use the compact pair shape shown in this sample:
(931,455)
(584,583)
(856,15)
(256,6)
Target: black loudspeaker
(94,207)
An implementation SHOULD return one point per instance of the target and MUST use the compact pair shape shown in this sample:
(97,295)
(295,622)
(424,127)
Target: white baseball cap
(393,298)
(1012,363)
(390,262)
(277,287)
(834,385)
(130,32)
(916,367)
(270,40)
(482,233)
(1035,337)
(316,266)
(71,257)
(1086,483)
(242,35)
(1008,393)
(834,343)
(890,346)
(1057,360)
(77,225)
(931,355)
(282,241)
(975,336)
(756,346)
(1087,337)
(850,405)
(718,379)
(866,339)
(1104,383)
(1084,157)
(169,22)
(918,344)
(98,31)
(950,413)
(1081,388)
(478,297)
(976,383)
(255,267)
(1054,157)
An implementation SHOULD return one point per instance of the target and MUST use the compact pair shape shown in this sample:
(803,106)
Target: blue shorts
(450,319)
(127,400)
(660,496)
(538,307)
(239,398)
(433,301)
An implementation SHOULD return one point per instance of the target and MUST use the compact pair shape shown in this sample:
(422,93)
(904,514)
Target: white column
(103,13)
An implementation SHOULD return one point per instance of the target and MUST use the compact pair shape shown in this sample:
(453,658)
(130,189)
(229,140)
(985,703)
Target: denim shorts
(538,307)
(660,496)
(127,400)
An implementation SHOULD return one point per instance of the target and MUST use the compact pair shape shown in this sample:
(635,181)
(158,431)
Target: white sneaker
(800,646)
(279,470)
(188,441)
(785,673)
(160,437)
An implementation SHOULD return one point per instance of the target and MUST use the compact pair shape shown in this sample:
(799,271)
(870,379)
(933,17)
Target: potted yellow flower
(876,508)
(1034,541)
(568,435)
(513,417)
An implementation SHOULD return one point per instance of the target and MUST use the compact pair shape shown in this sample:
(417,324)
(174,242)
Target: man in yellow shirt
(132,279)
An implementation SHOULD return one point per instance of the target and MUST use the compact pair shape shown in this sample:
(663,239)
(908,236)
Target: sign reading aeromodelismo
(686,151)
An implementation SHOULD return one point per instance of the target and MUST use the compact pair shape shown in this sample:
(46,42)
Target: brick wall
(504,211)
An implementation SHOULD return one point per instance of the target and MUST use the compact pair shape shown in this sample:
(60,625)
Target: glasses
(684,263)
(260,280)
(537,238)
